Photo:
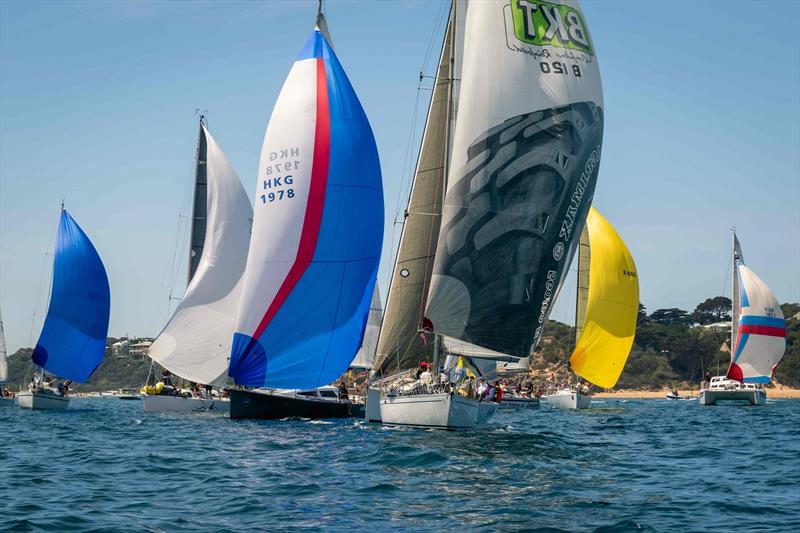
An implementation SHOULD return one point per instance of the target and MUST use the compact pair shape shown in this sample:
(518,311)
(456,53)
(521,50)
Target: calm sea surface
(638,465)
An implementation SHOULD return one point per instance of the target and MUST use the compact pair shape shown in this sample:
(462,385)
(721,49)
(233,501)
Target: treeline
(673,347)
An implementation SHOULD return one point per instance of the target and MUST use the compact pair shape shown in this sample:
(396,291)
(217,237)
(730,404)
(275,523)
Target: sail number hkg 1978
(277,180)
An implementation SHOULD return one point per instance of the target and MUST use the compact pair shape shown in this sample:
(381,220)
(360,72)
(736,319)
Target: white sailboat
(758,339)
(6,397)
(516,180)
(196,340)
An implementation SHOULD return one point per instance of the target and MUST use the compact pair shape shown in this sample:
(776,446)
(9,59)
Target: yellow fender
(152,390)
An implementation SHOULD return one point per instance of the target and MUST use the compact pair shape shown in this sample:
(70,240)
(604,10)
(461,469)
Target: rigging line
(432,40)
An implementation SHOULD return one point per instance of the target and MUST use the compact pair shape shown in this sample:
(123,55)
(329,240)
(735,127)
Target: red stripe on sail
(769,331)
(314,206)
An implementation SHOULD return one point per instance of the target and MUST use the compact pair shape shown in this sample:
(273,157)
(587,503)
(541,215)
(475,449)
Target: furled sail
(761,329)
(400,345)
(3,354)
(612,306)
(73,339)
(197,232)
(317,232)
(196,341)
(522,173)
(365,358)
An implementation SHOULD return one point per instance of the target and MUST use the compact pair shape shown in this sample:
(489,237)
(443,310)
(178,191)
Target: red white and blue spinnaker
(317,232)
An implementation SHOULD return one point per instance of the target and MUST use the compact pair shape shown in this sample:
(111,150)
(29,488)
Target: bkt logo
(546,24)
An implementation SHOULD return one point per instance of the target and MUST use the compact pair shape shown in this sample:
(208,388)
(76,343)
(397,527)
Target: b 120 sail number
(557,67)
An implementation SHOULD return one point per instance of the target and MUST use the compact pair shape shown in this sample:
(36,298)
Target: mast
(197,234)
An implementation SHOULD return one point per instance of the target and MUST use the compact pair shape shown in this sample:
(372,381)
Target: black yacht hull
(274,405)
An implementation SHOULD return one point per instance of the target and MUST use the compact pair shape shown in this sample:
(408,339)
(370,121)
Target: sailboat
(196,340)
(317,235)
(6,399)
(516,179)
(73,339)
(758,339)
(606,312)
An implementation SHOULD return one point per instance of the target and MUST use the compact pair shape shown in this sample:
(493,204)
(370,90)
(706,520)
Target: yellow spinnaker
(612,308)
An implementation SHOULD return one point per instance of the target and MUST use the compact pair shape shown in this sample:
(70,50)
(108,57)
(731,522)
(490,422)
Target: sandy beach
(778,391)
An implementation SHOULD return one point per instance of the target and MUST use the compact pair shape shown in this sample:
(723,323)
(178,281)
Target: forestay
(761,333)
(196,341)
(612,306)
(73,339)
(317,232)
(522,173)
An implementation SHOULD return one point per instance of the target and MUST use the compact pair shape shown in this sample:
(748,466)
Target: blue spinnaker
(73,339)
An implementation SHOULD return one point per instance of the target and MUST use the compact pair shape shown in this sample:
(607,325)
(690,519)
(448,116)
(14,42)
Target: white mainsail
(365,358)
(196,341)
(3,354)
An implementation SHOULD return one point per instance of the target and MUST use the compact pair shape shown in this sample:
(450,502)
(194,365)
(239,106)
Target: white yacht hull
(440,411)
(177,404)
(752,396)
(42,400)
(568,399)
(7,402)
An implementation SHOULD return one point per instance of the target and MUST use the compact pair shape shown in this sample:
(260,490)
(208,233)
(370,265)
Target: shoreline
(778,391)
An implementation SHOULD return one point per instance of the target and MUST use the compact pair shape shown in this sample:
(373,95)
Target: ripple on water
(644,465)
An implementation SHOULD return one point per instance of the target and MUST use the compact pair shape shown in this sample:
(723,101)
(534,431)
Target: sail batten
(522,173)
(73,338)
(612,306)
(317,232)
(196,341)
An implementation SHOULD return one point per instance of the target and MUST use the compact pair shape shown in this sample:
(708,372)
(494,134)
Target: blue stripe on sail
(740,346)
(73,338)
(315,335)
(248,365)
(757,379)
(313,47)
(742,292)
(750,320)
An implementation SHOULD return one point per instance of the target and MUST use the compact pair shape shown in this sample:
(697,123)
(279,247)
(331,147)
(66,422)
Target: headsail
(761,329)
(3,354)
(612,306)
(365,358)
(317,232)
(73,339)
(400,346)
(196,341)
(522,172)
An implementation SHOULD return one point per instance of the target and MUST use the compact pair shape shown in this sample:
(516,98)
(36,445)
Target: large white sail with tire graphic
(522,172)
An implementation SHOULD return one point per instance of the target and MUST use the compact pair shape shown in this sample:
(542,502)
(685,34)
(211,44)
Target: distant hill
(672,347)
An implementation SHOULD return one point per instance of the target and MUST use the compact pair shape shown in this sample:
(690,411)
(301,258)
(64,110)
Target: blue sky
(97,105)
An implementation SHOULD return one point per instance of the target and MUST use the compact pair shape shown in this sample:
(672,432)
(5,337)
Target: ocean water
(638,465)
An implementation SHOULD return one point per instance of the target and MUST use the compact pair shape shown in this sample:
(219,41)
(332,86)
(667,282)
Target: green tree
(712,310)
(670,316)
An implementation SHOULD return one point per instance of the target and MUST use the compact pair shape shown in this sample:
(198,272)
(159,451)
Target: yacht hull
(42,400)
(568,400)
(753,397)
(177,404)
(441,411)
(7,402)
(275,405)
(519,403)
